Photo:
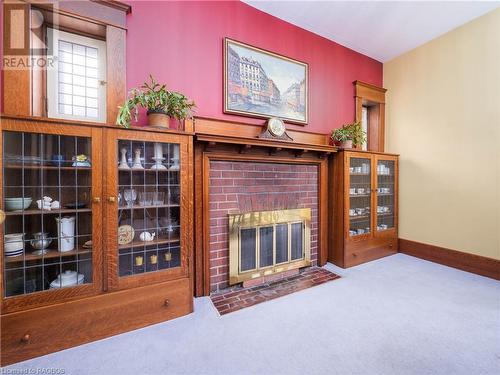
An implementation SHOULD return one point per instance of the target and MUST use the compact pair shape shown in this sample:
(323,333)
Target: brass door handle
(111,199)
(97,200)
(2,216)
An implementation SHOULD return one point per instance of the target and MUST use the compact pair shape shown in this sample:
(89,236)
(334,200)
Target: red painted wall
(181,44)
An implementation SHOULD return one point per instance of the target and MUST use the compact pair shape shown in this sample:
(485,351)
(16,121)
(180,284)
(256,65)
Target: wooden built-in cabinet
(363,206)
(106,191)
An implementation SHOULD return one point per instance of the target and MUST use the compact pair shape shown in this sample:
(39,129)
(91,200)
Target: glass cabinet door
(359,196)
(385,194)
(147,213)
(47,198)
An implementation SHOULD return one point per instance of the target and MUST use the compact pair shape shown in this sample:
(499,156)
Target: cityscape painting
(264,84)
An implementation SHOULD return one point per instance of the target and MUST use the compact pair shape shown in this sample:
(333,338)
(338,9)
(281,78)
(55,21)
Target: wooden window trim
(105,20)
(372,97)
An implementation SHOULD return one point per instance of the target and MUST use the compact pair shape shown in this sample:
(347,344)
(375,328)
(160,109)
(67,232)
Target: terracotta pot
(158,118)
(346,144)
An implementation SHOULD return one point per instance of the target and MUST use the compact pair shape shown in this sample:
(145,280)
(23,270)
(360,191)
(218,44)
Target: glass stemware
(130,195)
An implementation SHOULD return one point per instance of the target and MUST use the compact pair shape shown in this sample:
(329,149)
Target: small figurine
(147,237)
(48,204)
(80,161)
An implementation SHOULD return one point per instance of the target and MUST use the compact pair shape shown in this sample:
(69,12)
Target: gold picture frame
(263,84)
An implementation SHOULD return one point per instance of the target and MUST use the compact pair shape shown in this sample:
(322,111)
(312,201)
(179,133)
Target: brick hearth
(240,187)
(237,298)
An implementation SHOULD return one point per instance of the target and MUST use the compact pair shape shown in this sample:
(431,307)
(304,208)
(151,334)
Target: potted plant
(160,103)
(349,135)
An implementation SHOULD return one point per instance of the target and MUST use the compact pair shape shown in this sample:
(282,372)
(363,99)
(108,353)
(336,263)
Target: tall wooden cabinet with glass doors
(363,206)
(97,232)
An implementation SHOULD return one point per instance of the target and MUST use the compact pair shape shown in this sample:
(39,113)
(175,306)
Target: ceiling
(379,29)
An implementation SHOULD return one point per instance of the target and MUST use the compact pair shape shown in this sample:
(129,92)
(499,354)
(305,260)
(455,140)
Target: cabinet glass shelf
(40,167)
(149,202)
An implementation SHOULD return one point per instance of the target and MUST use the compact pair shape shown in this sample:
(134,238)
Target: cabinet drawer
(45,330)
(375,248)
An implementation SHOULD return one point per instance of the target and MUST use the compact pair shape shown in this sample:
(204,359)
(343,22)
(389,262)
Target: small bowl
(15,204)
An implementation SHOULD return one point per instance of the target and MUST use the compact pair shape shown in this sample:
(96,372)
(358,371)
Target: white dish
(68,278)
(13,242)
(16,254)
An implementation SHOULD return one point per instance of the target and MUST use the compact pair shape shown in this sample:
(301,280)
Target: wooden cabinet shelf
(29,256)
(372,234)
(46,167)
(61,211)
(137,207)
(160,241)
(148,170)
(358,217)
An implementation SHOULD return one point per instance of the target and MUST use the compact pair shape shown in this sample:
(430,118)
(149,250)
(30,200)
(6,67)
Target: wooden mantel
(236,133)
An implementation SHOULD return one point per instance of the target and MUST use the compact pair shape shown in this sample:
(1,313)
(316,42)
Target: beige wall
(443,117)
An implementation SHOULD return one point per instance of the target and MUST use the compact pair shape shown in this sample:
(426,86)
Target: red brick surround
(239,187)
(237,298)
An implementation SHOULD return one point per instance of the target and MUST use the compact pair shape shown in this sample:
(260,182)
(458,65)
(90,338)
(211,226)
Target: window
(76,83)
(364,125)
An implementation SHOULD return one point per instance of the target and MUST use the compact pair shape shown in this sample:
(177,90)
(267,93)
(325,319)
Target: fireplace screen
(268,242)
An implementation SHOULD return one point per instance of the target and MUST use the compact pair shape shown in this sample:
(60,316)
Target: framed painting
(260,83)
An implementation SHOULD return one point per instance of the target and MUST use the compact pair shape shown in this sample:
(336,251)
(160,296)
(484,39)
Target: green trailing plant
(350,132)
(154,97)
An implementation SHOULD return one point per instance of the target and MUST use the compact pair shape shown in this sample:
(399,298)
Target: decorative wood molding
(104,12)
(477,264)
(45,120)
(373,97)
(118,5)
(370,92)
(116,87)
(219,131)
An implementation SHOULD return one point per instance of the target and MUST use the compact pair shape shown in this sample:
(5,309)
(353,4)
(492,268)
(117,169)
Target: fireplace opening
(268,242)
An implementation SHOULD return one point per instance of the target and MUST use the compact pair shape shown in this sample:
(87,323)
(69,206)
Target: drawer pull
(26,338)
(354,255)
(166,303)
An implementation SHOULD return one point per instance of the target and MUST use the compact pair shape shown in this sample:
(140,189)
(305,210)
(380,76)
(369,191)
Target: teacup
(360,211)
(352,191)
(352,212)
(357,169)
(361,190)
(360,231)
(168,257)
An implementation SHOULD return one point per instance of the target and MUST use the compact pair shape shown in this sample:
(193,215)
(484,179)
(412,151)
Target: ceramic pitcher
(66,233)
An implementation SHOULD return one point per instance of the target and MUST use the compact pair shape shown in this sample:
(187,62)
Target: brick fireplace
(237,187)
(237,171)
